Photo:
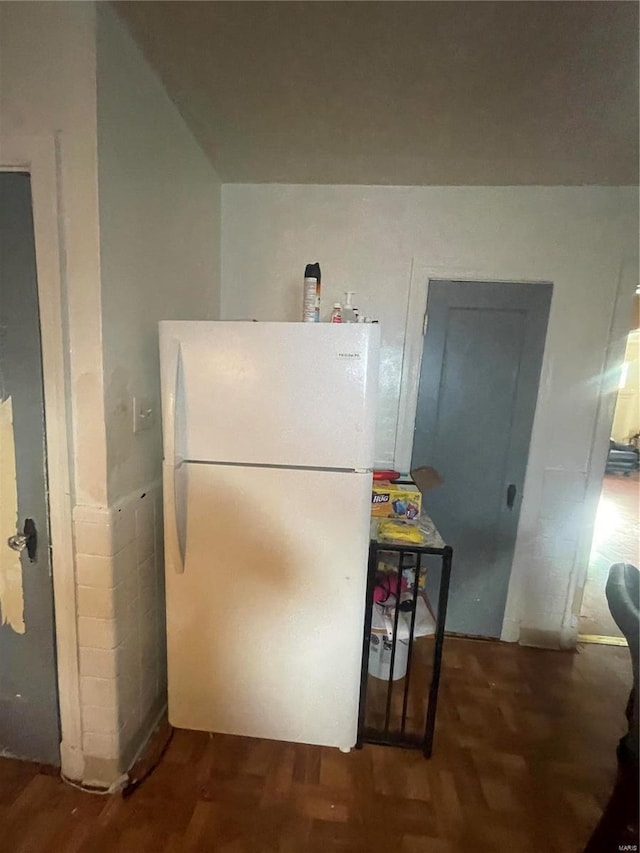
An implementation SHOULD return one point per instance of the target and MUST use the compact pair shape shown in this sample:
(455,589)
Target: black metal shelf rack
(409,556)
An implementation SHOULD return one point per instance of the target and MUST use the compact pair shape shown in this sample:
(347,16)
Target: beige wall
(159,203)
(159,242)
(384,243)
(48,86)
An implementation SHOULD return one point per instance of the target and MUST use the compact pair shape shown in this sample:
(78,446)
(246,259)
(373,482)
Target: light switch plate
(144,415)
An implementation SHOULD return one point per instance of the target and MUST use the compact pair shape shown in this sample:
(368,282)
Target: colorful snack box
(395,501)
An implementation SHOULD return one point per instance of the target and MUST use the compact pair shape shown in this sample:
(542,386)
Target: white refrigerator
(268,438)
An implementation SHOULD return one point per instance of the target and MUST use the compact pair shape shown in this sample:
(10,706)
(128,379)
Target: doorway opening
(616,536)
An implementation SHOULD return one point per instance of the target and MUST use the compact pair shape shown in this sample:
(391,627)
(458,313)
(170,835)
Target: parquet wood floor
(524,762)
(616,540)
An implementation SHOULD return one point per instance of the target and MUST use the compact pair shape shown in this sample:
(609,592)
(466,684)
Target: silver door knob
(17,542)
(27,539)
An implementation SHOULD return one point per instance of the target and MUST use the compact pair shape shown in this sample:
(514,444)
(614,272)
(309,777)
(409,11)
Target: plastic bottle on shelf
(336,314)
(311,297)
(348,314)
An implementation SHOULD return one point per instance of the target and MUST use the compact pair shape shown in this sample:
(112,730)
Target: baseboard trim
(150,756)
(153,720)
(599,640)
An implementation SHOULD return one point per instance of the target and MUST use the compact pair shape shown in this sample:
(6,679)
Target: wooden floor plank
(524,760)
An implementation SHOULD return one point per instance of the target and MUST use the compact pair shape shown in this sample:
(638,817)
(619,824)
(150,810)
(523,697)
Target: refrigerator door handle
(172,425)
(171,470)
(174,541)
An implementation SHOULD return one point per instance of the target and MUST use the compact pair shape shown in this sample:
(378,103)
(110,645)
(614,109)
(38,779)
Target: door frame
(609,381)
(39,156)
(421,274)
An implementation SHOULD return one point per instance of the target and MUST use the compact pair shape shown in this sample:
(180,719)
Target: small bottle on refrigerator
(348,315)
(336,314)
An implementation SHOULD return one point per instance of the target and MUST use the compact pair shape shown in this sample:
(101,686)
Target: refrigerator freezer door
(292,394)
(264,626)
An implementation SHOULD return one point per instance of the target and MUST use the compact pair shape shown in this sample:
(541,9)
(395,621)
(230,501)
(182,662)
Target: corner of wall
(159,200)
(121,630)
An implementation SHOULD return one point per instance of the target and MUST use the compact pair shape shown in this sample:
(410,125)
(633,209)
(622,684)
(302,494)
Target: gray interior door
(29,721)
(478,388)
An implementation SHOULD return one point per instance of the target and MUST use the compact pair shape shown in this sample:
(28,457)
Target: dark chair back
(623,595)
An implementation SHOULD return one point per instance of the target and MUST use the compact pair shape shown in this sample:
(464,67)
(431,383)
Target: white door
(265,623)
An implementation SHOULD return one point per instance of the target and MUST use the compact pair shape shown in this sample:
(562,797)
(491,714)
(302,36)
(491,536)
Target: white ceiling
(411,93)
